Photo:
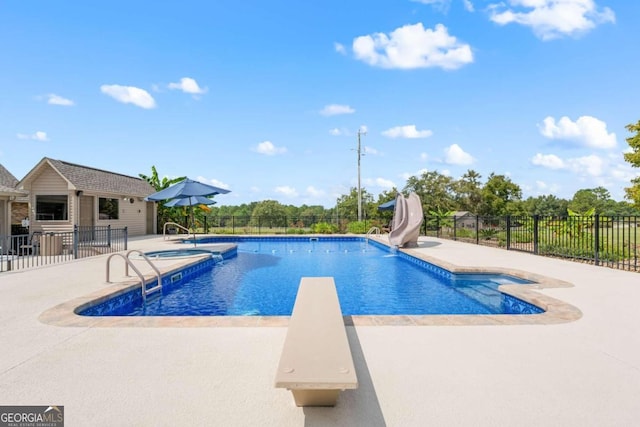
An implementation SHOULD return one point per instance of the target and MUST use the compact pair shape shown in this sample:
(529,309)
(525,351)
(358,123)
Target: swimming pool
(371,279)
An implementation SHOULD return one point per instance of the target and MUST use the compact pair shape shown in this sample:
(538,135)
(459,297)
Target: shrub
(357,227)
(324,228)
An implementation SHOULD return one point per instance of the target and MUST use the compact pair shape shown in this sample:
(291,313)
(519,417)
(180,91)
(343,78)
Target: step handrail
(372,230)
(155,269)
(140,275)
(164,231)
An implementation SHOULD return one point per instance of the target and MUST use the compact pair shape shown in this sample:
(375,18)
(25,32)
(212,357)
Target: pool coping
(555,311)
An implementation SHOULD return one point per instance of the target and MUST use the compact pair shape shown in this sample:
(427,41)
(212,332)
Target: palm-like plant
(165,214)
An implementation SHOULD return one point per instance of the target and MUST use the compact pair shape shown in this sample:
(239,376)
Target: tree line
(440,195)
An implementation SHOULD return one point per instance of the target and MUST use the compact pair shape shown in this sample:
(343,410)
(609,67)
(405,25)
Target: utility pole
(359,187)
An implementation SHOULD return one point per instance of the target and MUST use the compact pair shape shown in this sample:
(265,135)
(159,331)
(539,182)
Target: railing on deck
(37,249)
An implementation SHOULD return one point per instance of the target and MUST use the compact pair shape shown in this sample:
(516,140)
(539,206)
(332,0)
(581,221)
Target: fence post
(76,241)
(126,237)
(205,225)
(477,230)
(438,227)
(109,235)
(508,232)
(536,235)
(596,240)
(455,228)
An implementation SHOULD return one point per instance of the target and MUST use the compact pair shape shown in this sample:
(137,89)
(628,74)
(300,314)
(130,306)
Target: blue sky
(266,98)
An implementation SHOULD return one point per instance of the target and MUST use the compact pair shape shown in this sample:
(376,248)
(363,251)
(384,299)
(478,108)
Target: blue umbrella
(190,201)
(388,206)
(186,188)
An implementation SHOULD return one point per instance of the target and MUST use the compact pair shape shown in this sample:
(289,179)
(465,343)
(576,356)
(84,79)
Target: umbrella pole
(193,225)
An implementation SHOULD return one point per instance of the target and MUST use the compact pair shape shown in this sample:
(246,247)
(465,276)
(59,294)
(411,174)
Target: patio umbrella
(186,189)
(388,206)
(190,201)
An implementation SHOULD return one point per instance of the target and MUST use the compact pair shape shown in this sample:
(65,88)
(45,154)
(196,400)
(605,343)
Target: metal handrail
(127,264)
(373,230)
(146,258)
(164,231)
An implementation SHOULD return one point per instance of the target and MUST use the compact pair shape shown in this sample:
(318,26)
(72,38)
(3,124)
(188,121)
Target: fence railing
(20,251)
(612,241)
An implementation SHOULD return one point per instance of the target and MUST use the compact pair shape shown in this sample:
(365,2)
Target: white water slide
(407,219)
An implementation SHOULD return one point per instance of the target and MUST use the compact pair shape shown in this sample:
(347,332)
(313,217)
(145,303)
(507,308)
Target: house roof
(8,183)
(86,178)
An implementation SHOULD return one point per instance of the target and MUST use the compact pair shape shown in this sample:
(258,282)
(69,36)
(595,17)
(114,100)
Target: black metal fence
(612,241)
(20,251)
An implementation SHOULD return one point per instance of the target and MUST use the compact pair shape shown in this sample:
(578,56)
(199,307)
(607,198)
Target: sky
(267,98)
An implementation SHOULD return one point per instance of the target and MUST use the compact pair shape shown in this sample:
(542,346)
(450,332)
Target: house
(62,195)
(13,202)
(464,219)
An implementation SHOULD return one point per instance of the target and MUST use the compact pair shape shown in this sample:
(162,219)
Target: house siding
(49,181)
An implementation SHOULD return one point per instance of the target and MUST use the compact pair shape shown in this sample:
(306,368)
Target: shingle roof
(91,179)
(8,182)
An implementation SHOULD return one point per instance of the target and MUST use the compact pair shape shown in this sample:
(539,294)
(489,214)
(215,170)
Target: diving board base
(315,397)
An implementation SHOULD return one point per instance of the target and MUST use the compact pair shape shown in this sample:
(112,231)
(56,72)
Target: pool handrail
(155,269)
(145,291)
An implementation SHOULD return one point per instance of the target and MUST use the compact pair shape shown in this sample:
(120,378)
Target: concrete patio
(583,372)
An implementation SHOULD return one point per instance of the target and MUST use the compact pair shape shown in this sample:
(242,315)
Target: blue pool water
(370,279)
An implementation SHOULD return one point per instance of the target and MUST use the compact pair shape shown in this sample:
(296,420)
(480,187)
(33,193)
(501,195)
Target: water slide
(407,219)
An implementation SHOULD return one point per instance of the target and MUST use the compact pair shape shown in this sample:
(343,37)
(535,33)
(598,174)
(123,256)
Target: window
(107,208)
(52,208)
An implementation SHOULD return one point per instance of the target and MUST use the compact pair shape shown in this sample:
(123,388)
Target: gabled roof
(8,183)
(97,180)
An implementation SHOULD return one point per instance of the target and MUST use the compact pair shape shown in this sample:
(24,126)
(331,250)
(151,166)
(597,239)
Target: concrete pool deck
(579,372)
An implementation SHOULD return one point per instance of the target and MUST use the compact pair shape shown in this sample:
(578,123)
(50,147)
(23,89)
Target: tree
(500,196)
(547,205)
(347,204)
(269,213)
(434,189)
(590,198)
(468,191)
(165,214)
(633,157)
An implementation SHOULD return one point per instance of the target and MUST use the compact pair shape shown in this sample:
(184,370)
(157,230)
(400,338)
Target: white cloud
(424,157)
(549,161)
(285,190)
(188,85)
(213,182)
(339,47)
(314,192)
(363,129)
(335,109)
(550,19)
(384,183)
(129,95)
(455,155)
(369,150)
(587,131)
(441,5)
(588,165)
(339,132)
(591,165)
(267,147)
(54,99)
(405,176)
(408,131)
(468,6)
(413,46)
(37,136)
